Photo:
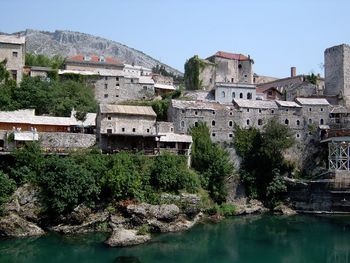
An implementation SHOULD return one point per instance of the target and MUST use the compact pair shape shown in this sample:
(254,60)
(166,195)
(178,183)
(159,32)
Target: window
(233,95)
(287,110)
(213,112)
(14,74)
(241,95)
(106,96)
(269,93)
(106,86)
(259,110)
(245,75)
(240,66)
(196,113)
(171,129)
(286,121)
(260,122)
(133,129)
(272,111)
(230,123)
(183,111)
(321,121)
(310,109)
(109,131)
(106,78)
(298,135)
(230,135)
(248,122)
(247,110)
(109,118)
(147,130)
(310,121)
(231,113)
(231,79)
(213,123)
(117,78)
(211,80)
(14,54)
(213,134)
(298,122)
(117,96)
(321,109)
(117,85)
(196,124)
(249,96)
(223,94)
(123,129)
(182,124)
(132,80)
(144,87)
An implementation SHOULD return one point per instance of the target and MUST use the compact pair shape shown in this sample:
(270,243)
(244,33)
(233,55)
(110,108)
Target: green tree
(56,62)
(66,184)
(212,162)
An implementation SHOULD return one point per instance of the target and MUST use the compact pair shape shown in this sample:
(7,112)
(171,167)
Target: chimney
(293,72)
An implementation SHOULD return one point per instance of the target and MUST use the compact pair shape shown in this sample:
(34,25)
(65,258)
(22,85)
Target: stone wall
(207,76)
(14,54)
(62,140)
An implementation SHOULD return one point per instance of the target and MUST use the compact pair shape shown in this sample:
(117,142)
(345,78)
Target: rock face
(161,212)
(122,237)
(68,43)
(14,226)
(26,202)
(284,210)
(246,207)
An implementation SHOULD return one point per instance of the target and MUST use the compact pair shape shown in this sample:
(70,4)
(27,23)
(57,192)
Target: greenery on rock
(263,163)
(7,186)
(160,69)
(193,67)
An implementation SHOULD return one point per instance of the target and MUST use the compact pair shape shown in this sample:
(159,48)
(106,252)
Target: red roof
(95,59)
(232,56)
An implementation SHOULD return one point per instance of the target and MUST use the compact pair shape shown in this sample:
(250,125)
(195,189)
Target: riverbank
(243,239)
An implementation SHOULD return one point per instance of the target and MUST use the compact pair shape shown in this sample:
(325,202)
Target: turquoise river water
(239,239)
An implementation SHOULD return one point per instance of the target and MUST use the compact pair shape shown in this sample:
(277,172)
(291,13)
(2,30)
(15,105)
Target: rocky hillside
(67,43)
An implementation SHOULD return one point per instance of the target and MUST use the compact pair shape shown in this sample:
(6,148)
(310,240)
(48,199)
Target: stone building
(133,70)
(337,72)
(268,93)
(294,86)
(226,92)
(90,63)
(35,71)
(12,49)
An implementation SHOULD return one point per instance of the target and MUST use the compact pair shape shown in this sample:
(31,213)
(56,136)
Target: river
(245,239)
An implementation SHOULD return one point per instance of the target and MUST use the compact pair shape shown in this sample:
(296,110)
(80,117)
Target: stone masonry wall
(61,140)
(14,63)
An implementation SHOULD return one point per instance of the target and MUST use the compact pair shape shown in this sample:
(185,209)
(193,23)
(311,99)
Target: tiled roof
(174,137)
(255,104)
(127,110)
(312,101)
(289,104)
(146,80)
(232,56)
(10,39)
(164,86)
(197,105)
(94,59)
(264,89)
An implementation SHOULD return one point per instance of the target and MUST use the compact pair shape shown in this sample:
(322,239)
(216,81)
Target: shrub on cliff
(66,184)
(7,186)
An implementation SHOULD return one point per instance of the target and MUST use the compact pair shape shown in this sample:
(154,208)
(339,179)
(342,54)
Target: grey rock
(161,212)
(14,226)
(246,207)
(284,210)
(122,237)
(180,224)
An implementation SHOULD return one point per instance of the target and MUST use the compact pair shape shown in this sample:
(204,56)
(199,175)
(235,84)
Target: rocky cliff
(68,43)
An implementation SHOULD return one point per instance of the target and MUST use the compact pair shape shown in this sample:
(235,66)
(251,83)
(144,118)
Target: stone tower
(337,72)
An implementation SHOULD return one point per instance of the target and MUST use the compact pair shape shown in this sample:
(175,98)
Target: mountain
(68,43)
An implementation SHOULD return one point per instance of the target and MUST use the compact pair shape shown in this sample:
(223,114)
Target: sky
(277,34)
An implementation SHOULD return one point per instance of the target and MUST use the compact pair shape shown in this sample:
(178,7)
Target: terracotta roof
(94,59)
(232,56)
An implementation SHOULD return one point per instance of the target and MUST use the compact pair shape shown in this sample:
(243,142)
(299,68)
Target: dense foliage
(56,62)
(53,97)
(193,68)
(212,162)
(89,177)
(7,186)
(263,163)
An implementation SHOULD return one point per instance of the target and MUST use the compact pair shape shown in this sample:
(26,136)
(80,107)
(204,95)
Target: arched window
(230,123)
(249,96)
(223,94)
(248,122)
(298,122)
(233,95)
(182,124)
(260,122)
(212,123)
(310,121)
(196,124)
(286,121)
(321,121)
(241,95)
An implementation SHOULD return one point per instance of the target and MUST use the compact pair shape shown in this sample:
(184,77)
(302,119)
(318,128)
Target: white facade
(226,92)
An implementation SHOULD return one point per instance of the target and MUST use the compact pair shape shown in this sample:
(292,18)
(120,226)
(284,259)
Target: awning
(26,136)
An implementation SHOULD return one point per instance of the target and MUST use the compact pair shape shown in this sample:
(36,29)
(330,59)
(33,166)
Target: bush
(7,186)
(143,230)
(66,184)
(227,209)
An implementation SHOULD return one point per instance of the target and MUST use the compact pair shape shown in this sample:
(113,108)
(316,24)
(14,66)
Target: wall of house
(14,62)
(225,94)
(52,141)
(207,76)
(29,127)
